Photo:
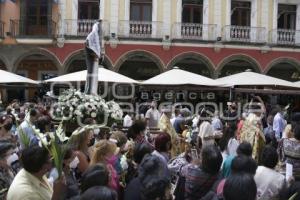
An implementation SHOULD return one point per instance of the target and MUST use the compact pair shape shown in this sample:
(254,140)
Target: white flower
(93,115)
(124,163)
(77,112)
(43,140)
(51,135)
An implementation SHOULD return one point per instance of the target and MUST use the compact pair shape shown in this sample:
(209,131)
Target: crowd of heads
(184,156)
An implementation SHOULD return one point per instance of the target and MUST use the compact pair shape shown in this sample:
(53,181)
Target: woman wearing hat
(7,156)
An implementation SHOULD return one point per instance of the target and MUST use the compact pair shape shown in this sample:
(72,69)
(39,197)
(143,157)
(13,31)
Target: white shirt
(232,147)
(25,186)
(269,183)
(153,115)
(278,125)
(127,122)
(172,120)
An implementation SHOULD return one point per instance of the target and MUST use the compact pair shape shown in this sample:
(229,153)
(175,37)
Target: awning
(104,75)
(8,77)
(254,79)
(177,76)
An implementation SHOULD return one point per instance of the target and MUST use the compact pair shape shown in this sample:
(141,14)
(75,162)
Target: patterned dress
(165,125)
(289,150)
(252,132)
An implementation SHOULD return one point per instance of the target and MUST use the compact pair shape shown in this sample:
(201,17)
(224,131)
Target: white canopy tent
(177,76)
(104,75)
(8,77)
(254,79)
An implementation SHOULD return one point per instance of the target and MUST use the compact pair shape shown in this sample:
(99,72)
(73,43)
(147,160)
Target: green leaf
(24,137)
(294,196)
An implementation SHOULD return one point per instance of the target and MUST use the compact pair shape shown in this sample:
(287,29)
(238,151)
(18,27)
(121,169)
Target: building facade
(41,39)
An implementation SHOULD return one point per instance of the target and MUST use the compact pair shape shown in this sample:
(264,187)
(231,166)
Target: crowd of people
(190,157)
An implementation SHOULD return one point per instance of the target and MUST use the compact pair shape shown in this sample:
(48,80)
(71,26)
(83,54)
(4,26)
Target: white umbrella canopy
(177,76)
(254,79)
(104,75)
(8,77)
(297,84)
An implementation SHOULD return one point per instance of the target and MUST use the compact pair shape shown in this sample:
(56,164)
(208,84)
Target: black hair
(296,131)
(243,164)
(229,132)
(244,148)
(269,157)
(96,175)
(88,121)
(152,177)
(140,150)
(33,158)
(211,159)
(271,139)
(99,193)
(42,122)
(136,129)
(5,146)
(240,186)
(33,112)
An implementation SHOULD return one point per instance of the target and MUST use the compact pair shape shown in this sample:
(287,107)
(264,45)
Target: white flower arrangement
(73,104)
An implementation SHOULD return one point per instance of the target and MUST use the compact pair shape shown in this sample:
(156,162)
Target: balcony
(81,28)
(1,30)
(244,34)
(285,37)
(140,29)
(193,31)
(31,29)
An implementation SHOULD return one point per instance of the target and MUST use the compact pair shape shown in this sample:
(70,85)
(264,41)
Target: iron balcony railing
(285,37)
(82,27)
(245,34)
(140,29)
(26,28)
(194,31)
(1,29)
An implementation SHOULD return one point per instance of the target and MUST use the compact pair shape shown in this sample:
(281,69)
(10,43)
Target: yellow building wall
(224,6)
(271,5)
(211,11)
(68,7)
(9,11)
(173,11)
(160,10)
(259,13)
(107,10)
(122,10)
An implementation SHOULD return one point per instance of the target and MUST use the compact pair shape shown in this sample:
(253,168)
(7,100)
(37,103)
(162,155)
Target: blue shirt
(28,131)
(278,125)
